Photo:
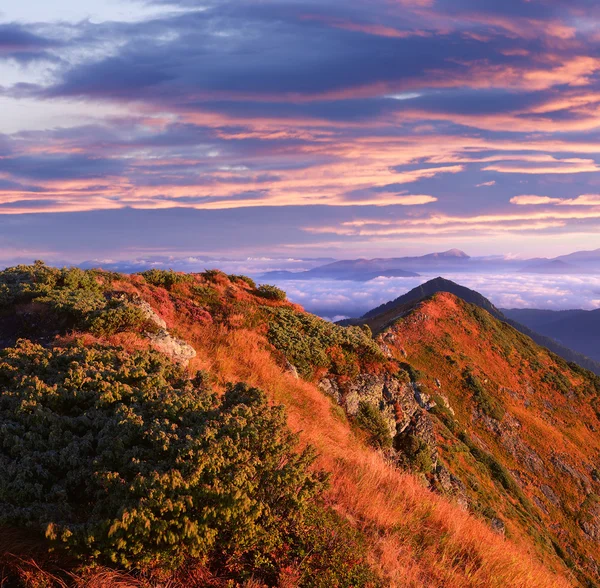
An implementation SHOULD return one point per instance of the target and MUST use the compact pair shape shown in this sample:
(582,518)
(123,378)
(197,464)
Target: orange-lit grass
(417,538)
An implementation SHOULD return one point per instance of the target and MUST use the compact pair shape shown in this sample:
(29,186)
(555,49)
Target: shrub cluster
(74,298)
(165,278)
(488,404)
(271,292)
(239,278)
(309,343)
(121,458)
(371,419)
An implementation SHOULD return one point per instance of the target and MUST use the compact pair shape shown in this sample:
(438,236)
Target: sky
(302,128)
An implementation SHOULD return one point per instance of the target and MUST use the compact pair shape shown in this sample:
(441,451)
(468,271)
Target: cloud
(382,112)
(329,298)
(583,200)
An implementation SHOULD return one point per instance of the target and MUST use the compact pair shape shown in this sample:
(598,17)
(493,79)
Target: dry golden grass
(417,538)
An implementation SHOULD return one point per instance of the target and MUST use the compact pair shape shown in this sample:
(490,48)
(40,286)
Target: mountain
(555,266)
(503,407)
(380,317)
(361,276)
(365,269)
(581,257)
(197,430)
(577,329)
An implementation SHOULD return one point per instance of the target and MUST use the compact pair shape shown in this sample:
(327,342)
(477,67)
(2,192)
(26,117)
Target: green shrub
(416,452)
(28,282)
(214,275)
(165,278)
(118,316)
(271,292)
(371,419)
(121,458)
(238,278)
(332,553)
(497,470)
(488,404)
(309,343)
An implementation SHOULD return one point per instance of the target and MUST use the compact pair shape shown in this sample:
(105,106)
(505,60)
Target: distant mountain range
(577,329)
(543,329)
(555,266)
(366,269)
(451,261)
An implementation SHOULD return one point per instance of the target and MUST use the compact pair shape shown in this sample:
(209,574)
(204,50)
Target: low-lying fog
(336,299)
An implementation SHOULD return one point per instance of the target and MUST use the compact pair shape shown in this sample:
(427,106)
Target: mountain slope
(514,423)
(381,316)
(383,528)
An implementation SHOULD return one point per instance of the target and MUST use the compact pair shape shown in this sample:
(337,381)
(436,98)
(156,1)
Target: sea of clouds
(337,299)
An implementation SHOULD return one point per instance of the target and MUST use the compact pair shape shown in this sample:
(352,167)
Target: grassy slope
(416,538)
(548,433)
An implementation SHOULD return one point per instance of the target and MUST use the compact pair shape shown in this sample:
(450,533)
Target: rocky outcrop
(589,518)
(404,406)
(177,349)
(162,340)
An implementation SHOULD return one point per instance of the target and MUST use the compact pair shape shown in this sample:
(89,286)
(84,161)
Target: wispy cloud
(380,111)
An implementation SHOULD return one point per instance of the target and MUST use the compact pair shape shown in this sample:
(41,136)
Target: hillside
(141,433)
(512,422)
(380,317)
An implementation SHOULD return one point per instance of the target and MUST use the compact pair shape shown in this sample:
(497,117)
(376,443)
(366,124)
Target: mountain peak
(453,253)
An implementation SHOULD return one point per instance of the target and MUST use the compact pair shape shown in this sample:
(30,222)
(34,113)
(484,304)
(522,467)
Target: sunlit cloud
(432,120)
(583,200)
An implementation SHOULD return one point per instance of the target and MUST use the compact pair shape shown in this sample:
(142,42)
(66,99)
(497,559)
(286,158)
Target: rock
(290,368)
(549,494)
(330,387)
(589,518)
(565,468)
(498,526)
(135,300)
(446,403)
(447,483)
(422,398)
(540,505)
(178,350)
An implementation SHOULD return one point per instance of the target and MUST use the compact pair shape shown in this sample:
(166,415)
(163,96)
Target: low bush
(271,292)
(121,458)
(371,419)
(415,452)
(332,553)
(165,278)
(239,278)
(488,404)
(309,343)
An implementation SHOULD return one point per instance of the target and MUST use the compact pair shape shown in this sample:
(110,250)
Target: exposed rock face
(590,518)
(404,406)
(565,468)
(178,350)
(449,484)
(162,340)
(329,386)
(291,369)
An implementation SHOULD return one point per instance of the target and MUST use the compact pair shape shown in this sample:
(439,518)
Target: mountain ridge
(420,474)
(384,314)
